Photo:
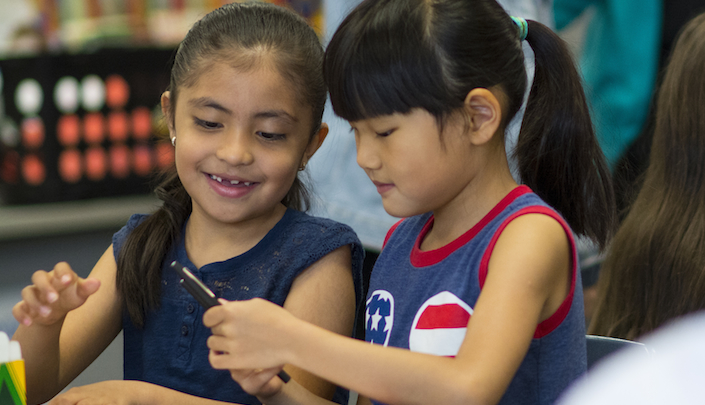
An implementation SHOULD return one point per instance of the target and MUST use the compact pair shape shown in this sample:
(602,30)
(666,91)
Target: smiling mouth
(227,182)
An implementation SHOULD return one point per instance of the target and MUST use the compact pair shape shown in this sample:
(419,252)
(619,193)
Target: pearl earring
(173,141)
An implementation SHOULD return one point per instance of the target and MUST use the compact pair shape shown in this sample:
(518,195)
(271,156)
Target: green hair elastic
(523,27)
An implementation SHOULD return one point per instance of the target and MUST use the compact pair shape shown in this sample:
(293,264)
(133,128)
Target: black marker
(204,295)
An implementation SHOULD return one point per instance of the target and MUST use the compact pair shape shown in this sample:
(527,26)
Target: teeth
(236,182)
(232,182)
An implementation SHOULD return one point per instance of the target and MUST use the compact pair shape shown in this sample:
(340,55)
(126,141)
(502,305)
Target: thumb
(87,287)
(213,316)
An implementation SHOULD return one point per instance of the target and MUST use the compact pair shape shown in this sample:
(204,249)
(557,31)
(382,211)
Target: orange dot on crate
(141,123)
(117,126)
(117,91)
(70,167)
(68,130)
(10,167)
(93,127)
(119,161)
(32,132)
(33,170)
(142,160)
(164,154)
(96,163)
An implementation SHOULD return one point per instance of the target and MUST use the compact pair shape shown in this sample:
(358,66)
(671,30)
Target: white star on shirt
(375,320)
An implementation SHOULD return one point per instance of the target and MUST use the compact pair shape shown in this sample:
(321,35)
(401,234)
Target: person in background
(619,63)
(476,296)
(618,87)
(244,111)
(655,268)
(630,169)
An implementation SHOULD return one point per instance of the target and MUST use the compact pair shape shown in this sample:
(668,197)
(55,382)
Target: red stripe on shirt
(421,258)
(443,316)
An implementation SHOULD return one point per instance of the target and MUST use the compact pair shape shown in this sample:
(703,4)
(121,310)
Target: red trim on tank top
(421,258)
(553,321)
(390,232)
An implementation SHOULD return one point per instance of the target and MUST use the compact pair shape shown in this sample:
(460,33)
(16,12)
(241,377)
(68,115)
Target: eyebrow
(278,114)
(208,102)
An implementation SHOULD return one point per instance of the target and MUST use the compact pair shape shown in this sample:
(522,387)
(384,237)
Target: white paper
(4,348)
(9,349)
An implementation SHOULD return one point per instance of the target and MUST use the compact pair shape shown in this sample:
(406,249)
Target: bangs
(381,65)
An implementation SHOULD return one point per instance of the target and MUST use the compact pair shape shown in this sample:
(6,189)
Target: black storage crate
(53,149)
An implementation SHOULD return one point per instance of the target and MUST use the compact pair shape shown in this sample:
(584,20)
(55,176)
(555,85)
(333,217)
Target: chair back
(599,347)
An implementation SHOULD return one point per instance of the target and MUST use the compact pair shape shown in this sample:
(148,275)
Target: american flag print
(379,317)
(440,325)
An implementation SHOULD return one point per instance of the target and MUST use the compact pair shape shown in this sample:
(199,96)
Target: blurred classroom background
(80,128)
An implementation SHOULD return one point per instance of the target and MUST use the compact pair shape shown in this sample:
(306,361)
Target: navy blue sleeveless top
(171,349)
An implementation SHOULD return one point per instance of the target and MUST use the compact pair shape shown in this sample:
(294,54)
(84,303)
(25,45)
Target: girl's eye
(206,124)
(270,136)
(385,133)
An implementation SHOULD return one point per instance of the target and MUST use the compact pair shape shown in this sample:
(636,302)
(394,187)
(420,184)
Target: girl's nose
(236,148)
(367,157)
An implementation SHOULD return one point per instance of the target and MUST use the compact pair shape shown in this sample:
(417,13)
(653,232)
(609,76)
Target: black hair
(237,34)
(392,56)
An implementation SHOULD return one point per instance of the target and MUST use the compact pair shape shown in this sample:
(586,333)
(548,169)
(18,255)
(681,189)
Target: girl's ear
(316,142)
(166,111)
(484,115)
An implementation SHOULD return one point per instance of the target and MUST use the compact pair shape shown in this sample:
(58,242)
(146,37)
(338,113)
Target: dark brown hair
(390,56)
(655,268)
(233,33)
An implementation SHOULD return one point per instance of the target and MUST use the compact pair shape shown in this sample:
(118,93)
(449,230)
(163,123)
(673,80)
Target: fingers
(36,299)
(230,312)
(213,316)
(62,276)
(86,287)
(52,294)
(219,355)
(44,286)
(258,382)
(73,290)
(21,312)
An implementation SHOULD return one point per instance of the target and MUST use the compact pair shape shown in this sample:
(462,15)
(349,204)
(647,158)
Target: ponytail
(140,259)
(558,155)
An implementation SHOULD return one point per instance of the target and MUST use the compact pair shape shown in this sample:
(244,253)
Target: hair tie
(523,27)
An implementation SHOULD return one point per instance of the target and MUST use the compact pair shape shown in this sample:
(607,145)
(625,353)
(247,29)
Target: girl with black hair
(244,111)
(476,293)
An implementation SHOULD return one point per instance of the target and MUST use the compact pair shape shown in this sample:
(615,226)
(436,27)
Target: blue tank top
(171,349)
(423,301)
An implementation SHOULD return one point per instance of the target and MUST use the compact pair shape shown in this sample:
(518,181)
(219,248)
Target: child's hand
(52,295)
(260,383)
(247,334)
